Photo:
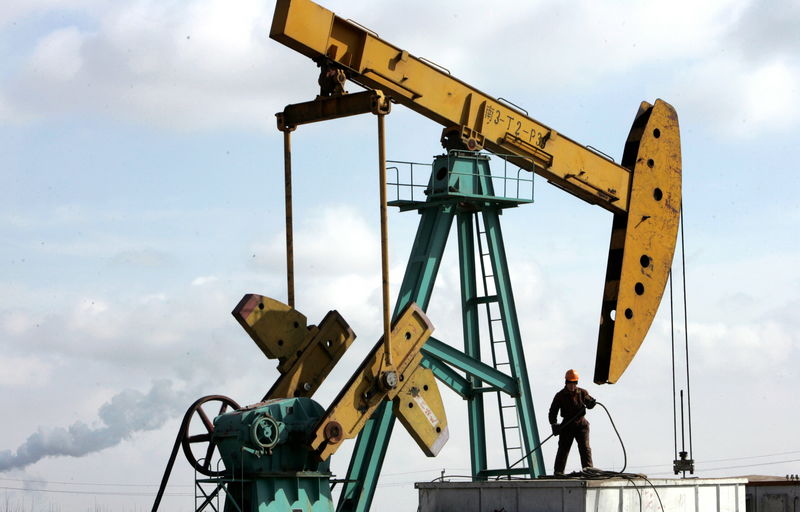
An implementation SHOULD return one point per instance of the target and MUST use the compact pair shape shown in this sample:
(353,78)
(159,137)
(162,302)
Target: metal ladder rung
(487,272)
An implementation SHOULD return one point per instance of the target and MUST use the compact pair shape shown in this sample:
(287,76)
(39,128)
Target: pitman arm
(416,397)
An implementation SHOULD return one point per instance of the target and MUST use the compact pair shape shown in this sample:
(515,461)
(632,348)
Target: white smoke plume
(127,412)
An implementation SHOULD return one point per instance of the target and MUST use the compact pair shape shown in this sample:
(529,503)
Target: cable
(588,473)
(564,424)
(672,343)
(624,452)
(48,482)
(96,493)
(442,477)
(686,337)
(600,474)
(753,465)
(655,491)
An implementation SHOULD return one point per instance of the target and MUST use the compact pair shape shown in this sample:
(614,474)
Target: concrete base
(577,495)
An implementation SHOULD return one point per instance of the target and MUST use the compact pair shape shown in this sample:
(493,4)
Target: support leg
(472,348)
(519,370)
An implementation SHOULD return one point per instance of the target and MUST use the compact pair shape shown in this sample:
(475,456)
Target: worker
(572,402)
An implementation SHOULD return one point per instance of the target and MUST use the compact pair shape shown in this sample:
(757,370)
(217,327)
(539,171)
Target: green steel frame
(460,188)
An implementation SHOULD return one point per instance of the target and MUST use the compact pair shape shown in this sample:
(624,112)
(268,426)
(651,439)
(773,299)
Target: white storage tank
(577,495)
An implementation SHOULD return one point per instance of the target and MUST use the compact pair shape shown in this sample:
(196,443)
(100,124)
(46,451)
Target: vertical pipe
(387,354)
(287,194)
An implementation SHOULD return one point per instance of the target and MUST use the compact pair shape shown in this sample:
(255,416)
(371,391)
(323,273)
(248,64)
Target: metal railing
(411,184)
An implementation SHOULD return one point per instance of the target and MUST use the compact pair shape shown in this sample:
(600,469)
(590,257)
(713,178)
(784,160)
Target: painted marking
(423,405)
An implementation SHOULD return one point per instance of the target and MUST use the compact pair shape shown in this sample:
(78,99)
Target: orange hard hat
(571,376)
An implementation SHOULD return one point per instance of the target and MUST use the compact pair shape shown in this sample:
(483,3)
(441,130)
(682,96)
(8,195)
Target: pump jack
(643,193)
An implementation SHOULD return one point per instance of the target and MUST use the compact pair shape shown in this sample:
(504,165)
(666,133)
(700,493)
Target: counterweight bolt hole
(629,313)
(639,288)
(657,194)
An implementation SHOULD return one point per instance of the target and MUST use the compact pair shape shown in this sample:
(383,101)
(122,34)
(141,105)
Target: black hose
(624,453)
(564,424)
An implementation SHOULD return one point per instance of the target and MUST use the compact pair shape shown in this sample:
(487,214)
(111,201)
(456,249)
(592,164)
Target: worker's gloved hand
(556,428)
(590,402)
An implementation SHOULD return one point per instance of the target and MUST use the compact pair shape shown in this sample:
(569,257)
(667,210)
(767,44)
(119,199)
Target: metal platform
(576,495)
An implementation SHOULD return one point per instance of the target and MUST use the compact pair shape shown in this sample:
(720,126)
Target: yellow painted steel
(642,240)
(278,330)
(318,33)
(366,390)
(303,363)
(419,408)
(326,109)
(482,121)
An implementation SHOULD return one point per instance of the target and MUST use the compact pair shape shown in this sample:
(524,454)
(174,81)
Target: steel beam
(474,367)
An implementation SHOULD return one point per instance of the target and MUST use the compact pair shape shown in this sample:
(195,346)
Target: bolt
(389,380)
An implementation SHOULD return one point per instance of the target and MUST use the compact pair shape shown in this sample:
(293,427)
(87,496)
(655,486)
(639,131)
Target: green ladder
(501,359)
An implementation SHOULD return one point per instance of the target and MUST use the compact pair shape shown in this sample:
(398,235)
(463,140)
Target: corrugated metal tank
(576,495)
(770,494)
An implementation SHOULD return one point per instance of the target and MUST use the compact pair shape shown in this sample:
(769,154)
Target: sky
(141,196)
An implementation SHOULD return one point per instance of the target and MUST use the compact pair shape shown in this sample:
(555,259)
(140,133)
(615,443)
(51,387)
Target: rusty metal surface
(334,107)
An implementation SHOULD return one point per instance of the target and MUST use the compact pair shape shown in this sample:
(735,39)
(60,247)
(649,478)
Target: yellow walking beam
(643,193)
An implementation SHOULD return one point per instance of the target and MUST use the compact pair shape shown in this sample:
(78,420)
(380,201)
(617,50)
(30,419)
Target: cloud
(139,257)
(203,280)
(23,371)
(767,30)
(741,347)
(740,98)
(201,65)
(127,412)
(182,65)
(333,240)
